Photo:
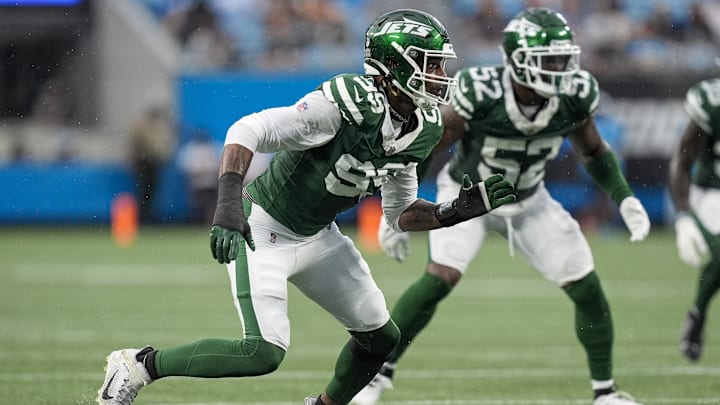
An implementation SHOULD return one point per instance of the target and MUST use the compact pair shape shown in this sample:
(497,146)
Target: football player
(350,137)
(694,185)
(512,119)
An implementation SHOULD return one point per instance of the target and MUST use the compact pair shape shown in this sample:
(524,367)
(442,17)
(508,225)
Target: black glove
(230,227)
(476,199)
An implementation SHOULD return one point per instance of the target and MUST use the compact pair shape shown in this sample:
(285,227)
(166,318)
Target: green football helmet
(540,52)
(410,47)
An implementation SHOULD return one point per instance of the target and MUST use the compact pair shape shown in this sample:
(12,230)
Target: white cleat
(616,398)
(124,376)
(371,393)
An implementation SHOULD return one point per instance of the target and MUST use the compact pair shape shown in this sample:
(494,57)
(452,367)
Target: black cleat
(691,336)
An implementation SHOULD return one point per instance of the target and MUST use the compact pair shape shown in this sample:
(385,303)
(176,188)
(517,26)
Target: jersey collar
(393,143)
(522,123)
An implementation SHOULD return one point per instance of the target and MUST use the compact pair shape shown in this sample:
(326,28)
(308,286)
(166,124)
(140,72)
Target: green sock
(415,308)
(709,280)
(593,325)
(708,285)
(219,358)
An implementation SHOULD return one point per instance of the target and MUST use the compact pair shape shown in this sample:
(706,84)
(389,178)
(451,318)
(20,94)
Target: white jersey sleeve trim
(462,105)
(694,107)
(348,101)
(312,121)
(398,193)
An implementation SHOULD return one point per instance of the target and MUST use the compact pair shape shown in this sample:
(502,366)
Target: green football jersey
(501,139)
(305,190)
(703,105)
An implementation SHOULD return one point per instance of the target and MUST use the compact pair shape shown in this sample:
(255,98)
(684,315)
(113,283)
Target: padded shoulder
(479,88)
(702,103)
(358,99)
(584,93)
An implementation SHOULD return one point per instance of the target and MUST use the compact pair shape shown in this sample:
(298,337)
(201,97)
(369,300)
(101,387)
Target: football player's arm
(230,227)
(312,121)
(602,165)
(691,142)
(284,128)
(421,215)
(691,245)
(600,161)
(405,212)
(396,244)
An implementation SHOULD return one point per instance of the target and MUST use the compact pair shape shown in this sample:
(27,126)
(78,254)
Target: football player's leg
(552,242)
(705,204)
(692,333)
(337,278)
(451,250)
(709,282)
(360,359)
(593,327)
(258,282)
(416,307)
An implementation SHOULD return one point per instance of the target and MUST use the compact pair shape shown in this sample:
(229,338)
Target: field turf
(69,296)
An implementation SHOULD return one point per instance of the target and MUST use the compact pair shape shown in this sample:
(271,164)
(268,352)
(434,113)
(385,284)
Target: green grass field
(504,337)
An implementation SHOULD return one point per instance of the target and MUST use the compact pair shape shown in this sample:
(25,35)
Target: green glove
(225,243)
(499,190)
(230,227)
(476,199)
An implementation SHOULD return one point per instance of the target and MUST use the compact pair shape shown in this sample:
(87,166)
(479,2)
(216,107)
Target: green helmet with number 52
(407,46)
(540,51)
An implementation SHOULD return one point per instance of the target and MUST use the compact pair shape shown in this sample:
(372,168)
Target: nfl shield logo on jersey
(302,106)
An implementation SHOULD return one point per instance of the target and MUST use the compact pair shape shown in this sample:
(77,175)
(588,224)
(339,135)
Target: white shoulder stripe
(327,91)
(348,101)
(595,103)
(693,106)
(462,102)
(462,112)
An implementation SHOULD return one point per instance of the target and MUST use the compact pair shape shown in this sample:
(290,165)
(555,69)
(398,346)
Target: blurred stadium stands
(76,74)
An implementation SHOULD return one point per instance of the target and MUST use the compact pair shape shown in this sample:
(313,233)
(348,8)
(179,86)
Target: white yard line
(427,374)
(537,401)
(100,274)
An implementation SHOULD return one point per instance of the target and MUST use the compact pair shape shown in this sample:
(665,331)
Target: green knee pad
(360,360)
(377,344)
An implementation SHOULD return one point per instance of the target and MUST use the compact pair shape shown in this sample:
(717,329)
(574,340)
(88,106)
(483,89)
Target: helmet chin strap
(423,103)
(526,94)
(388,87)
(398,93)
(396,115)
(525,84)
(417,100)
